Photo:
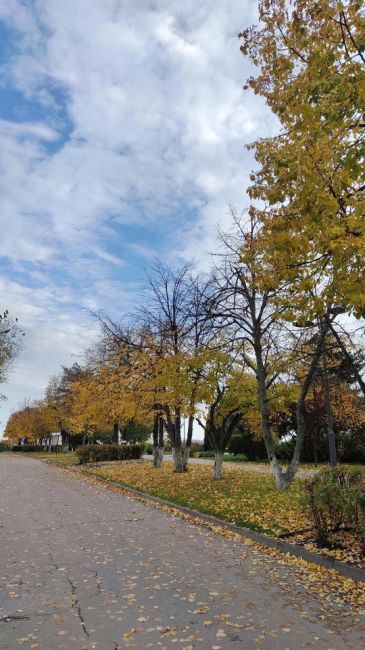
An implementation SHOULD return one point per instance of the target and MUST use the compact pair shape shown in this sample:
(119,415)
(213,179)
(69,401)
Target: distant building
(53,440)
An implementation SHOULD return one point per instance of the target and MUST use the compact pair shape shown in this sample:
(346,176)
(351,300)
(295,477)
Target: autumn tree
(310,181)
(125,365)
(258,317)
(176,313)
(166,314)
(113,393)
(230,394)
(59,398)
(32,421)
(333,389)
(348,417)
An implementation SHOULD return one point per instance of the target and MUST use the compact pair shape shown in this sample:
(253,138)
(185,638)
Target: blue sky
(123,127)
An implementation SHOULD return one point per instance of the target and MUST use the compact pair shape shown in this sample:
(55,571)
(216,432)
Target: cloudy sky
(123,127)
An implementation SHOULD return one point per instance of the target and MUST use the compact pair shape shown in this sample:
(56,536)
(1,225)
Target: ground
(247,498)
(86,567)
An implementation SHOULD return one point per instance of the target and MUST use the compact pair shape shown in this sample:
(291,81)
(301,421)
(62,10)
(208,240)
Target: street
(84,567)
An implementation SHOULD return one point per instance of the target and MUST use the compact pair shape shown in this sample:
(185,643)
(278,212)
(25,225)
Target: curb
(342,568)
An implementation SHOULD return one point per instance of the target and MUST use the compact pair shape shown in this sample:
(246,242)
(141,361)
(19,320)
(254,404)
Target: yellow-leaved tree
(310,56)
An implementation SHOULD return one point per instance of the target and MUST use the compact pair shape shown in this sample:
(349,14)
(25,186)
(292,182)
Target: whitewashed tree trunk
(178,458)
(157,456)
(186,455)
(218,465)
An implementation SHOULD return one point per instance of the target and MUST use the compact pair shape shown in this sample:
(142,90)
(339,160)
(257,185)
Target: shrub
(195,448)
(235,458)
(100,453)
(336,499)
(248,445)
(148,448)
(206,454)
(26,448)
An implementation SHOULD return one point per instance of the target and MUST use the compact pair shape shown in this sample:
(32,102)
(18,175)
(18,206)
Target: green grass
(248,499)
(63,458)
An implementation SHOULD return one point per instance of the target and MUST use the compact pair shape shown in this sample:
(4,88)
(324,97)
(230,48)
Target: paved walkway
(244,467)
(84,567)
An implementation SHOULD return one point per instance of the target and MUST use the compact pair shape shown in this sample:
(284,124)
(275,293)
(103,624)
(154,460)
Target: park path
(243,467)
(84,567)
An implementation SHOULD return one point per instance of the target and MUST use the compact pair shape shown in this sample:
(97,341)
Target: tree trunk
(115,436)
(65,439)
(315,447)
(157,457)
(157,441)
(178,459)
(218,465)
(177,428)
(349,358)
(265,419)
(284,479)
(186,455)
(330,428)
(188,442)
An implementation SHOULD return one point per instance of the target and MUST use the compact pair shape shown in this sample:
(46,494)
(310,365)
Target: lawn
(246,498)
(61,458)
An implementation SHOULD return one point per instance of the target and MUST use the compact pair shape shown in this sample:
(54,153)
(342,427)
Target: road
(84,567)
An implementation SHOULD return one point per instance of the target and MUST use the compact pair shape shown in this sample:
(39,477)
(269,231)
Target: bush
(248,445)
(336,499)
(148,448)
(206,454)
(26,448)
(195,449)
(235,458)
(100,453)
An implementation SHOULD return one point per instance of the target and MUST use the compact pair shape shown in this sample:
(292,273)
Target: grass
(65,459)
(246,498)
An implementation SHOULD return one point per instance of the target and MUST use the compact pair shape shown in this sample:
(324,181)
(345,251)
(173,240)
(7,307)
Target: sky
(123,127)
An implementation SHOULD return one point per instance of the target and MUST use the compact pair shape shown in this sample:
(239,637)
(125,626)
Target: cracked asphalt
(84,567)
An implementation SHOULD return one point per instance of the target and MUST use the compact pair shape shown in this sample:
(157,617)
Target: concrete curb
(342,568)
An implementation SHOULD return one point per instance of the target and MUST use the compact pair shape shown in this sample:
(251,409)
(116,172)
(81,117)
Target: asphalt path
(243,467)
(84,567)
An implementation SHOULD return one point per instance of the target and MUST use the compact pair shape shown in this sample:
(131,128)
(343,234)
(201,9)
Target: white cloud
(155,130)
(27,129)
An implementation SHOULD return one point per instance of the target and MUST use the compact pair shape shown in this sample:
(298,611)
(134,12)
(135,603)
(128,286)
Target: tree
(258,316)
(126,367)
(233,393)
(310,182)
(166,315)
(175,314)
(348,418)
(111,392)
(10,344)
(60,399)
(33,421)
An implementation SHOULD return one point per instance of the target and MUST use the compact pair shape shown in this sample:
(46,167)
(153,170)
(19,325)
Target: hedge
(100,453)
(27,448)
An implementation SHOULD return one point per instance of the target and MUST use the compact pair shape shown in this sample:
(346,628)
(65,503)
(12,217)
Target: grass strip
(248,499)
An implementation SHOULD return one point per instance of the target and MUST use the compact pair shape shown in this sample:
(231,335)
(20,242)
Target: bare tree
(10,344)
